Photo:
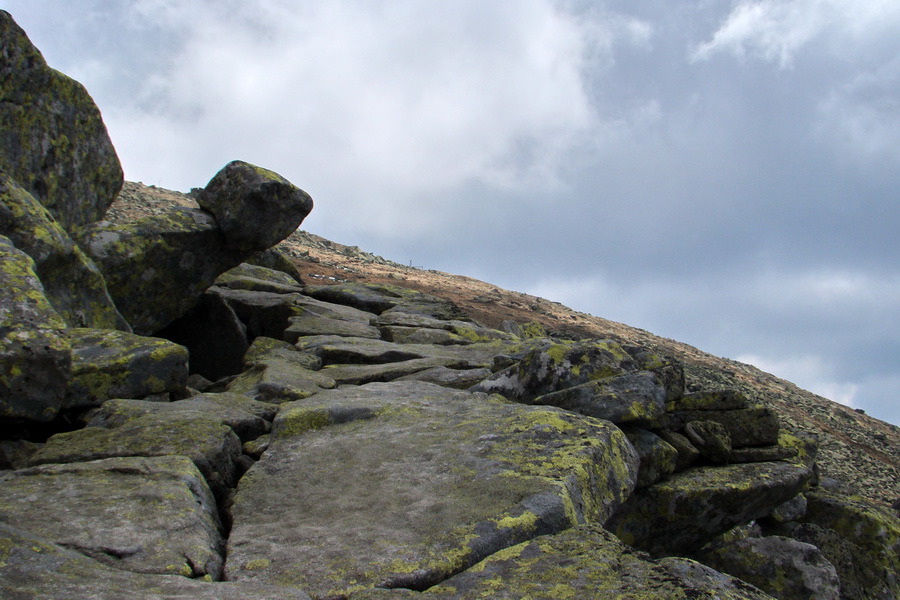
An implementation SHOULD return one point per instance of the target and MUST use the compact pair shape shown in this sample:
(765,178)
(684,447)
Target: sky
(721,172)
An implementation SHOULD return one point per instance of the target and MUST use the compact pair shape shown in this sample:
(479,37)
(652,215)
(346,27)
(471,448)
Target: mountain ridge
(859,451)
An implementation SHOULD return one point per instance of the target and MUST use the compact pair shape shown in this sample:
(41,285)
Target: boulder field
(181,416)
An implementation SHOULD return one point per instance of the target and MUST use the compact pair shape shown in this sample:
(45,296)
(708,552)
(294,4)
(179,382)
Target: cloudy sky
(721,172)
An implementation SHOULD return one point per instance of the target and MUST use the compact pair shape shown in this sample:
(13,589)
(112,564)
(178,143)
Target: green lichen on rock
(72,282)
(211,444)
(588,563)
(452,478)
(109,364)
(255,208)
(157,267)
(52,138)
(35,356)
(148,515)
(685,511)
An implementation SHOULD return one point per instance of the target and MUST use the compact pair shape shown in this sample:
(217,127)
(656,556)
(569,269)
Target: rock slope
(217,427)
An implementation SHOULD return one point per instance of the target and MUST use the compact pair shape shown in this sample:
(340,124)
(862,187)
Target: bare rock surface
(148,515)
(433,480)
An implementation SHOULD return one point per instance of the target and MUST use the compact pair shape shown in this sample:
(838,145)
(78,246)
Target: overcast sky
(725,173)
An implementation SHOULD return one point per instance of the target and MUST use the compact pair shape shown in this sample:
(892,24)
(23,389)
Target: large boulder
(685,511)
(560,365)
(52,139)
(72,282)
(92,507)
(35,356)
(431,480)
(254,207)
(861,539)
(782,567)
(588,563)
(157,267)
(109,364)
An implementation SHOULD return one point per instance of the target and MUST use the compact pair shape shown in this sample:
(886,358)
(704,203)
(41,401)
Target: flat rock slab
(33,568)
(588,563)
(211,444)
(404,484)
(149,515)
(680,514)
(248,418)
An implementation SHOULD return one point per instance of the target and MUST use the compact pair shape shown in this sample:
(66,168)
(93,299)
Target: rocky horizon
(197,401)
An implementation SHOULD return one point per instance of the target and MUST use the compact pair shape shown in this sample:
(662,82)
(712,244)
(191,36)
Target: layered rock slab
(148,515)
(430,481)
(210,443)
(679,515)
(34,568)
(588,563)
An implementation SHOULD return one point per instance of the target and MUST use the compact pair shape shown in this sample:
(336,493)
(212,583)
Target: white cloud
(375,102)
(775,30)
(771,30)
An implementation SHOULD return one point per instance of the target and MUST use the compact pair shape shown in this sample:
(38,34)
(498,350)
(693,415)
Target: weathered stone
(35,357)
(361,374)
(157,267)
(670,372)
(871,529)
(685,511)
(377,298)
(16,454)
(279,380)
(754,426)
(72,282)
(52,139)
(431,481)
(309,323)
(792,510)
(622,398)
(254,207)
(246,276)
(149,515)
(687,454)
(761,453)
(333,349)
(460,379)
(421,335)
(785,568)
(711,439)
(710,400)
(860,577)
(264,348)
(110,364)
(591,564)
(33,568)
(657,457)
(248,418)
(212,445)
(560,365)
(276,259)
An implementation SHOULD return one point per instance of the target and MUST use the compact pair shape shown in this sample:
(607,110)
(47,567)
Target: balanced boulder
(254,207)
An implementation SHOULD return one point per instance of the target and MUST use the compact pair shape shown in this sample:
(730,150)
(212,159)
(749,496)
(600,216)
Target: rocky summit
(184,414)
